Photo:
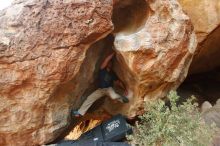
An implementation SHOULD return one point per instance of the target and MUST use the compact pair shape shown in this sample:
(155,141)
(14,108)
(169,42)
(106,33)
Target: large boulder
(154,46)
(50,50)
(47,60)
(205,16)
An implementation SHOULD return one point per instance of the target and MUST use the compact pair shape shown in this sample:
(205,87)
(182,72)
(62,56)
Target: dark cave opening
(204,86)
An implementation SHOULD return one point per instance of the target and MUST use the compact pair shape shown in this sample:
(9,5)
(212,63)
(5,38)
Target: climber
(107,78)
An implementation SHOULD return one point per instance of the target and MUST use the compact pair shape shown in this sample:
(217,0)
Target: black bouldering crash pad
(112,130)
(108,133)
(87,143)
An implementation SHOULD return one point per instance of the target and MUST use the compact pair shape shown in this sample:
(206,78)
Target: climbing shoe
(75,113)
(124,99)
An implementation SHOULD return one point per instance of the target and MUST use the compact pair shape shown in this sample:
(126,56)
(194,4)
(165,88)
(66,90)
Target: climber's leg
(90,100)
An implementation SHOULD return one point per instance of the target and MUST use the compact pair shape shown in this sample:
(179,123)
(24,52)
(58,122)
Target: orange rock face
(49,51)
(205,16)
(43,46)
(153,53)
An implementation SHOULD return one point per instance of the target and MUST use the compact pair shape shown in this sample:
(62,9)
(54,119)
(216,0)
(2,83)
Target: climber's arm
(106,61)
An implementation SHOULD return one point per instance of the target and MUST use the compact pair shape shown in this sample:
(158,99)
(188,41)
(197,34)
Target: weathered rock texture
(49,50)
(155,48)
(205,16)
(210,114)
(43,44)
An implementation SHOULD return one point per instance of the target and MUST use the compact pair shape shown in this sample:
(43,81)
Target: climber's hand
(126,92)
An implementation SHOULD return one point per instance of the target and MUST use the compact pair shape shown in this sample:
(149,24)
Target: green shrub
(173,125)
